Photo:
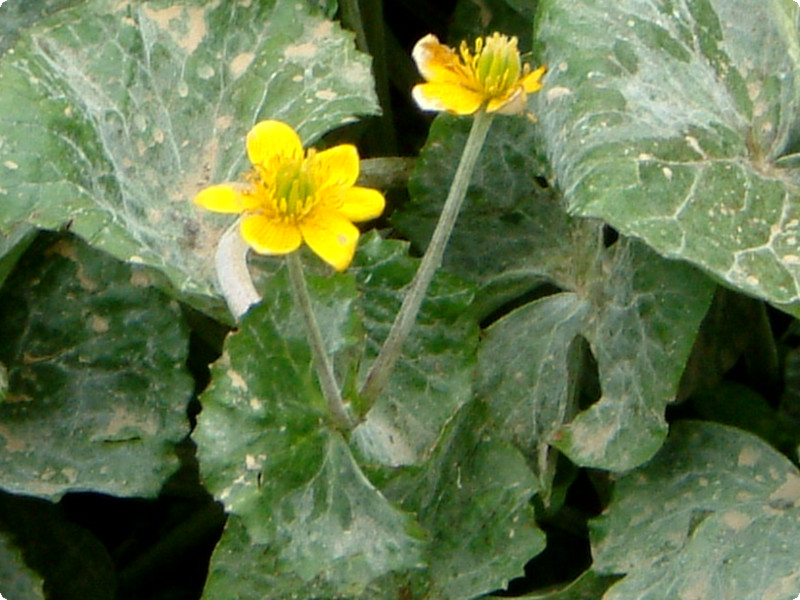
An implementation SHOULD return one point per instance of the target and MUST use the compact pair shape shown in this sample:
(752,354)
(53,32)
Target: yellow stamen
(491,76)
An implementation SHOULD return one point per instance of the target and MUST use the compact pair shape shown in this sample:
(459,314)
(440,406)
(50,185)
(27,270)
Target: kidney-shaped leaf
(716,514)
(640,314)
(96,365)
(269,453)
(114,114)
(668,120)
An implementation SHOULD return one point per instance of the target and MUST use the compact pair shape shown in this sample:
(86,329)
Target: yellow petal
(437,62)
(331,236)
(336,167)
(270,140)
(532,82)
(267,236)
(360,204)
(224,198)
(447,97)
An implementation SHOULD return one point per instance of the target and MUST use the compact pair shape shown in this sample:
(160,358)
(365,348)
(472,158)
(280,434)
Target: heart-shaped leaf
(114,114)
(672,121)
(714,515)
(96,366)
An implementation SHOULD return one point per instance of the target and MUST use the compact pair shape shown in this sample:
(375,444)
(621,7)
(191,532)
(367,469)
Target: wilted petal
(336,167)
(511,103)
(270,236)
(437,62)
(271,140)
(331,236)
(447,97)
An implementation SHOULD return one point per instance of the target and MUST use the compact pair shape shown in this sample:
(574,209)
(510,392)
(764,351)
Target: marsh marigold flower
(292,196)
(462,82)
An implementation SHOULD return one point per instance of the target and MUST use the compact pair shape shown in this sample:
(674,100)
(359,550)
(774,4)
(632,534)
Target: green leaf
(505,236)
(471,19)
(12,246)
(17,581)
(589,586)
(640,315)
(433,378)
(245,570)
(114,115)
(669,122)
(3,382)
(268,452)
(96,361)
(734,404)
(242,569)
(15,17)
(74,564)
(714,515)
(474,498)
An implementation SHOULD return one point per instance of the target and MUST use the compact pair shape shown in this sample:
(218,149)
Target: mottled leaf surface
(95,359)
(269,453)
(15,17)
(242,569)
(433,377)
(639,314)
(246,570)
(675,122)
(506,232)
(473,479)
(474,499)
(716,514)
(12,246)
(589,586)
(114,114)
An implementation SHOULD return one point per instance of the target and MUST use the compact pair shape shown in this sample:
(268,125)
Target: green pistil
(498,65)
(294,189)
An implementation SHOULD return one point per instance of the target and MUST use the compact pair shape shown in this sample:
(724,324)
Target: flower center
(287,188)
(496,64)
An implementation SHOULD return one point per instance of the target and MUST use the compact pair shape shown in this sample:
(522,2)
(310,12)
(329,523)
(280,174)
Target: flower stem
(322,364)
(381,370)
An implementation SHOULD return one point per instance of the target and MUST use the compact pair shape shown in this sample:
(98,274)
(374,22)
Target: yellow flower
(462,82)
(292,196)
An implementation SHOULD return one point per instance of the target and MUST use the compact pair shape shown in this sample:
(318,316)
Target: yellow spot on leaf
(99,324)
(748,456)
(240,63)
(186,25)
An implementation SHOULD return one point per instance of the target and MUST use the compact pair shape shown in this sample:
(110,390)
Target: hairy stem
(382,368)
(322,363)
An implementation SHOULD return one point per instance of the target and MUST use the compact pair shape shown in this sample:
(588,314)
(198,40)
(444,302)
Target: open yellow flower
(292,196)
(462,82)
